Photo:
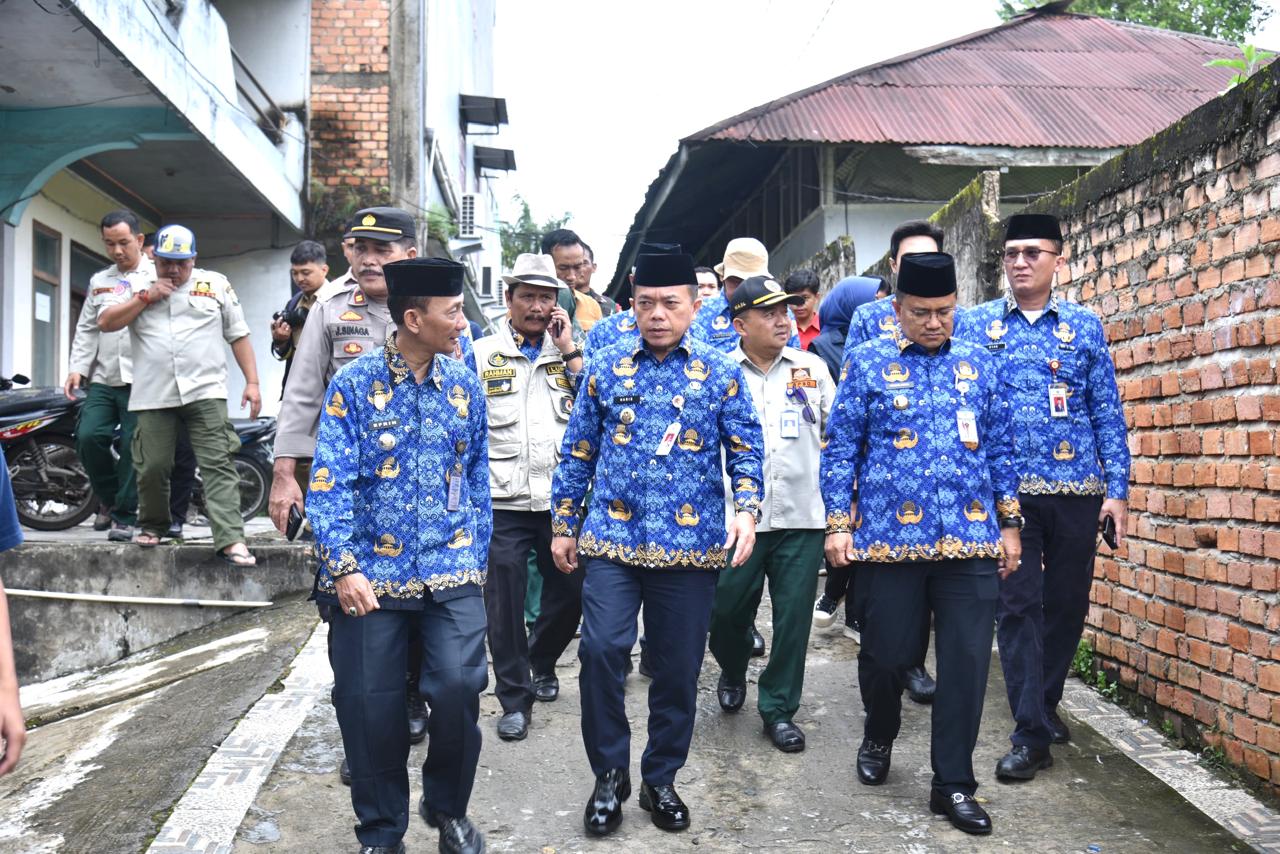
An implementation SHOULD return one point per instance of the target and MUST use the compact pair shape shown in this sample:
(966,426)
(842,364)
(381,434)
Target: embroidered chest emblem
(1064,333)
(389,468)
(906,438)
(337,405)
(321,480)
(497,360)
(351,315)
(687,517)
(975,512)
(388,546)
(966,372)
(621,435)
(697,370)
(888,324)
(895,373)
(720,322)
(909,513)
(1064,451)
(380,395)
(459,399)
(619,511)
(460,540)
(625,367)
(627,325)
(690,441)
(997,329)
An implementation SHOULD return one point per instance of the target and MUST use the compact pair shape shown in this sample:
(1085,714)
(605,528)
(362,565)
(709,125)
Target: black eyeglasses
(1031,253)
(805,409)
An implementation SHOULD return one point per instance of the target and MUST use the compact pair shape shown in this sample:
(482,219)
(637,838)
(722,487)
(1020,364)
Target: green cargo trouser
(790,560)
(113,480)
(214,442)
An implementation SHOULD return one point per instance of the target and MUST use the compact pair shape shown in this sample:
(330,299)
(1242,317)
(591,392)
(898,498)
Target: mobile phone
(1109,532)
(295,522)
(557,328)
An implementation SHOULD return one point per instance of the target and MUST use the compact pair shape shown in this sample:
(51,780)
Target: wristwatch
(576,353)
(1013,522)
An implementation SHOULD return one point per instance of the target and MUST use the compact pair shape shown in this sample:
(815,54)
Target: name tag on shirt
(1058,401)
(668,439)
(790,424)
(455,488)
(967,427)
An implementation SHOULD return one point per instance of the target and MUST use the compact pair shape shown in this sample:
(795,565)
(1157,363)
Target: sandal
(238,558)
(146,539)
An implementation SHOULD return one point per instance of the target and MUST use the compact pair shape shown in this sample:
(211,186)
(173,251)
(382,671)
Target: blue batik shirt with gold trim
(924,492)
(876,319)
(1084,449)
(610,330)
(386,453)
(647,509)
(713,324)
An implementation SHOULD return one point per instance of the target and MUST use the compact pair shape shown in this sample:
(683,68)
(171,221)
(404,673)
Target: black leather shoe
(873,762)
(398,848)
(962,811)
(1057,729)
(757,643)
(664,806)
(1023,762)
(546,687)
(457,835)
(920,685)
(344,772)
(731,697)
(102,519)
(785,736)
(513,726)
(645,669)
(604,810)
(417,718)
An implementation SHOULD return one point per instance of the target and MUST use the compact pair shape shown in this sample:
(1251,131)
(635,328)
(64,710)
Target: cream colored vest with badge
(529,406)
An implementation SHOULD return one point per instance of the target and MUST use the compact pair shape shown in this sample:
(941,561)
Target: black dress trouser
(517,656)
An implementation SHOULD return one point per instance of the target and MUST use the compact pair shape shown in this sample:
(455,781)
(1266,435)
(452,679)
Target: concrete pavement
(745,795)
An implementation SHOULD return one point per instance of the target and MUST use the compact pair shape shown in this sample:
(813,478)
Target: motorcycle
(52,489)
(50,486)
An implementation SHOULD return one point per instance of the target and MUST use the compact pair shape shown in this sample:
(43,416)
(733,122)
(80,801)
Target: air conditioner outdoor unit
(468,227)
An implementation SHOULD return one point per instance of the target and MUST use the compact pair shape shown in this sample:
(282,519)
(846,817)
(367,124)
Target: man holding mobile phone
(529,372)
(1069,443)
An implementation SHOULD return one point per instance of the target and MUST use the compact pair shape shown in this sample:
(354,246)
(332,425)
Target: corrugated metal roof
(1053,80)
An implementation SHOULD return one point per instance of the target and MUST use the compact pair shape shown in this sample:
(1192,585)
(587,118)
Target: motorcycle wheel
(255,486)
(66,469)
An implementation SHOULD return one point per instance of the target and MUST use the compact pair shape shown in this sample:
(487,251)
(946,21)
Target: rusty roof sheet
(1044,79)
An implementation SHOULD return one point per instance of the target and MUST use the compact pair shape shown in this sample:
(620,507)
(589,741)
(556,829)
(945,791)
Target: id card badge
(668,439)
(790,424)
(1058,401)
(455,488)
(967,427)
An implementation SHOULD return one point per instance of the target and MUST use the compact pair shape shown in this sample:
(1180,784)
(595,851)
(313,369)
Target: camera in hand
(292,314)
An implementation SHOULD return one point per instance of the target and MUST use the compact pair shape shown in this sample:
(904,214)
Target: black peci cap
(384,224)
(927,274)
(424,277)
(1033,227)
(660,271)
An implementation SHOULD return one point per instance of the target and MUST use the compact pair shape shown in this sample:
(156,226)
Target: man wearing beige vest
(529,369)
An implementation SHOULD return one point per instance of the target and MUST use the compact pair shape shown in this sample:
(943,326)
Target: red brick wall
(349,44)
(1175,248)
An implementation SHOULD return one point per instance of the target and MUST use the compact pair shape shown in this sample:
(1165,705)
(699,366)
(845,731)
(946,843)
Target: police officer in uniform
(792,393)
(400,505)
(921,426)
(648,425)
(178,324)
(1070,447)
(529,369)
(340,329)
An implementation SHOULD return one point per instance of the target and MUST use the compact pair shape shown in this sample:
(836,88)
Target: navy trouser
(369,655)
(1042,613)
(677,612)
(962,595)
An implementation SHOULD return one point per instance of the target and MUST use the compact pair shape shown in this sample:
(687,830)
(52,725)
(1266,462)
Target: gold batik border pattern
(750,504)
(344,565)
(416,588)
(652,555)
(947,548)
(564,527)
(839,523)
(1007,507)
(1034,484)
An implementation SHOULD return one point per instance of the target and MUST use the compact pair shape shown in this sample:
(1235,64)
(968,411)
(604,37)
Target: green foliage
(1230,20)
(1250,60)
(1213,757)
(440,224)
(1082,662)
(525,235)
(1105,687)
(1167,728)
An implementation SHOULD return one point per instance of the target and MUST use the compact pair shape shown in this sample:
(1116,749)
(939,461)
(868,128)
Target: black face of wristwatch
(1012,522)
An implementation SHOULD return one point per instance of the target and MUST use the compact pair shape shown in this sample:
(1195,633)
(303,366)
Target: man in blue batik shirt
(400,505)
(871,321)
(920,425)
(1070,445)
(651,418)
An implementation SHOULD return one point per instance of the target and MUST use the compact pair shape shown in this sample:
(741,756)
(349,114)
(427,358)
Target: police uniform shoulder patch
(357,297)
(351,348)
